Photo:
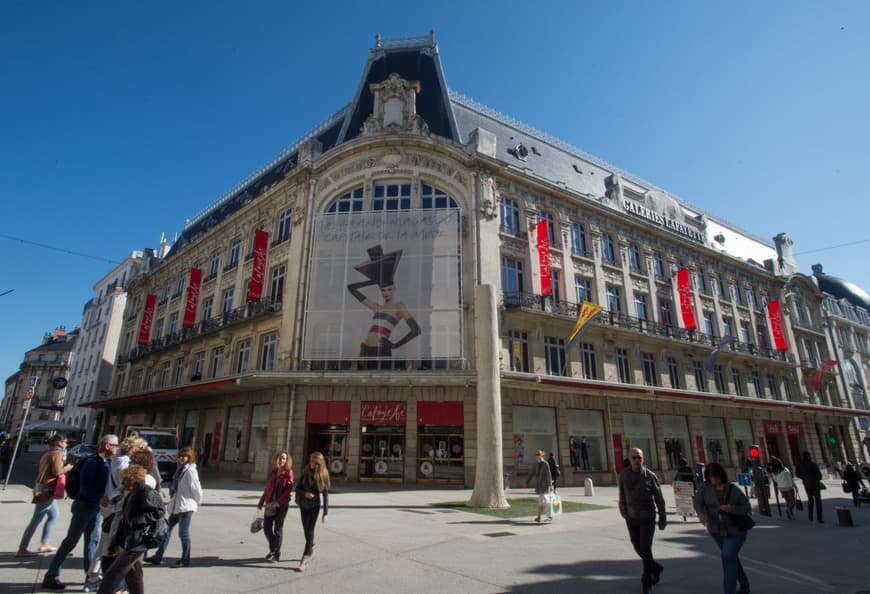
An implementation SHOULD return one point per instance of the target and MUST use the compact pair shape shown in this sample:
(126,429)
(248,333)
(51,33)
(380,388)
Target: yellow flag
(587,311)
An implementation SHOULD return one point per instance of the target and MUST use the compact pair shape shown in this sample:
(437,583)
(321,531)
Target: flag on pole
(585,314)
(710,363)
(816,382)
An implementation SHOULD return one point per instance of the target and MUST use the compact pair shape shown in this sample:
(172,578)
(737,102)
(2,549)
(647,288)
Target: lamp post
(28,396)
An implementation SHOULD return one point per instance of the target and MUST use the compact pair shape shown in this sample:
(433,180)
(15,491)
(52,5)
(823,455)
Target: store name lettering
(659,219)
(383,413)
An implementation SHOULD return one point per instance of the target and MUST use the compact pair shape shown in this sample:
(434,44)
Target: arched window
(350,202)
(434,198)
(393,195)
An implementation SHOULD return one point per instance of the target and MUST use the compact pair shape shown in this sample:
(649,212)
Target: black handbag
(744,523)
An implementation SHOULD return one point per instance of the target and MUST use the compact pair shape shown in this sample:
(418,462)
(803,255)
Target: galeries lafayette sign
(383,413)
(662,220)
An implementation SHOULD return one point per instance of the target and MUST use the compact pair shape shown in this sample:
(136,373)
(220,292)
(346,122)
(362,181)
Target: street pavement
(387,538)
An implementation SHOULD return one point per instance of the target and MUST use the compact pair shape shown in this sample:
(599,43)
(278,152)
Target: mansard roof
(841,288)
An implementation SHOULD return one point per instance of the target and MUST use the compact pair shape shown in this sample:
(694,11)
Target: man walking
(94,473)
(809,472)
(639,497)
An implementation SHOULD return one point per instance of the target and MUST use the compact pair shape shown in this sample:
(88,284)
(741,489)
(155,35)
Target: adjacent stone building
(328,303)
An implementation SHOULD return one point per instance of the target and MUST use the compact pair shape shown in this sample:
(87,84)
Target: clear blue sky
(120,120)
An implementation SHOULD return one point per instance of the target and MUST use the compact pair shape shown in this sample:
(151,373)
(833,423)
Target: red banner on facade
(617,453)
(383,413)
(440,413)
(544,257)
(258,269)
(699,445)
(687,305)
(772,427)
(816,382)
(775,316)
(192,298)
(794,428)
(147,318)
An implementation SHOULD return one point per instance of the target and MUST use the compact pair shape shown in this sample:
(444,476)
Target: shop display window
(440,453)
(586,440)
(741,431)
(382,452)
(638,433)
(234,434)
(715,442)
(259,431)
(675,433)
(534,429)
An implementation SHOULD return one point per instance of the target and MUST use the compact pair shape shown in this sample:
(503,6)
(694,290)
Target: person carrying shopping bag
(276,500)
(312,486)
(542,481)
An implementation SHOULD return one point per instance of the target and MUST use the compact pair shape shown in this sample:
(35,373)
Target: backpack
(74,476)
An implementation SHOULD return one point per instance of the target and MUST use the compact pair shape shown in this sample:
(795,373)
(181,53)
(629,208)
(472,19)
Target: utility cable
(58,249)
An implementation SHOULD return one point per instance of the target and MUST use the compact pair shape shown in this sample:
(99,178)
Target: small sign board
(28,394)
(744,479)
(59,383)
(684,493)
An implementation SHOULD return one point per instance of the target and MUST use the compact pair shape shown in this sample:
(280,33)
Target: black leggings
(309,521)
(273,527)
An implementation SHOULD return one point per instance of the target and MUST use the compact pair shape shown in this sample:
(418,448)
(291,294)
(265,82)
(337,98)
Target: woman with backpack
(185,495)
(276,499)
(141,523)
(313,484)
(51,468)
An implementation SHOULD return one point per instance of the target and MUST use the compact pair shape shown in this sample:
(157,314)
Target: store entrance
(382,453)
(772,444)
(331,441)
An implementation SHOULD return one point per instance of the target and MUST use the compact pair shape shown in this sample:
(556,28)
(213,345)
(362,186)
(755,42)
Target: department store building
(328,303)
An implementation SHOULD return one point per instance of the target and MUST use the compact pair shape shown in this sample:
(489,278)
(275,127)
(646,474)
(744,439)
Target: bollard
(844,516)
(588,488)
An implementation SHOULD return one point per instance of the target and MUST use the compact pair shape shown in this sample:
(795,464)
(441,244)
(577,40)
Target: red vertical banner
(544,257)
(192,298)
(699,445)
(147,319)
(775,315)
(216,441)
(258,270)
(687,306)
(617,453)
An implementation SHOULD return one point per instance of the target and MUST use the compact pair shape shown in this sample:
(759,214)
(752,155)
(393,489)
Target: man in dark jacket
(85,511)
(640,495)
(554,469)
(809,472)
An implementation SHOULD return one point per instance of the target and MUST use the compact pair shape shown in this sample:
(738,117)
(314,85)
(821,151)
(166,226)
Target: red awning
(328,412)
(440,413)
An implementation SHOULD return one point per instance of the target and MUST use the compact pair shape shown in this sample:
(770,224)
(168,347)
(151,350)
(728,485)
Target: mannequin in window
(380,270)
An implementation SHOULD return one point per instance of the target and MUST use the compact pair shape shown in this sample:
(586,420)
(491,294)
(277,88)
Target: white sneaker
(92,583)
(303,565)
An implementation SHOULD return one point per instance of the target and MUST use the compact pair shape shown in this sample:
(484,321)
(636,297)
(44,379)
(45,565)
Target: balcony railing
(547,305)
(251,310)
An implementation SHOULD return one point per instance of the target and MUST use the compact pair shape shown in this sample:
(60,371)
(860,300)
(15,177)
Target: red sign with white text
(544,257)
(192,298)
(383,413)
(147,319)
(258,269)
(772,427)
(794,428)
(687,305)
(775,315)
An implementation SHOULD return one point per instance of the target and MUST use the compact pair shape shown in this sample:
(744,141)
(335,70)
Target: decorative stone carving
(488,196)
(395,108)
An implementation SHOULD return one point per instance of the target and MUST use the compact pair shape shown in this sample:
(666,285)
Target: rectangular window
(674,373)
(207,306)
(234,434)
(164,374)
(590,368)
(716,442)
(622,366)
(235,253)
(198,366)
(554,352)
(179,287)
(700,376)
(727,326)
(243,356)
(179,372)
(268,346)
(634,257)
(650,377)
(737,293)
(756,382)
(737,380)
(613,300)
(555,285)
(217,362)
(752,296)
(433,198)
(581,286)
(666,312)
(157,329)
(509,212)
(391,197)
(511,277)
(640,306)
(215,265)
(745,332)
(276,288)
(518,343)
(284,226)
(719,380)
(658,265)
(551,227)
(173,324)
(227,301)
(578,240)
(257,446)
(718,286)
(701,282)
(608,255)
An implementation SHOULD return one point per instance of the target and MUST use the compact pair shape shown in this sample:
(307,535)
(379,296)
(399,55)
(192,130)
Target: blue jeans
(83,522)
(183,521)
(732,570)
(48,510)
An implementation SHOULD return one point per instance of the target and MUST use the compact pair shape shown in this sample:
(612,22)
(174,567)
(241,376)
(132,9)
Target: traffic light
(754,453)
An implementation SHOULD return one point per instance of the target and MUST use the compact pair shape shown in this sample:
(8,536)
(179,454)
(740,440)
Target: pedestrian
(276,499)
(554,469)
(785,483)
(51,468)
(141,513)
(93,475)
(716,502)
(640,495)
(853,484)
(809,472)
(312,486)
(542,481)
(185,495)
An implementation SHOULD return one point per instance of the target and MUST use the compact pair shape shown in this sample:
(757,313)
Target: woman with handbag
(276,500)
(312,485)
(785,483)
(48,488)
(852,483)
(724,509)
(185,495)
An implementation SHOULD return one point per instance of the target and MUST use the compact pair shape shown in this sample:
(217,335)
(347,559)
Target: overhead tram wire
(831,247)
(57,249)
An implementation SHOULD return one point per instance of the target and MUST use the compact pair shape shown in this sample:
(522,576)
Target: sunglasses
(637,457)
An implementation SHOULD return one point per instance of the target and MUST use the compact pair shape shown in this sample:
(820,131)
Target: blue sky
(120,120)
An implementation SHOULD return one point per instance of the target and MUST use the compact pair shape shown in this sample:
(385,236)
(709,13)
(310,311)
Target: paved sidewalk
(380,539)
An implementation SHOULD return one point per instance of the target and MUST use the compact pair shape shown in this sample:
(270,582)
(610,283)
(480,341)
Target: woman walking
(51,467)
(784,481)
(541,479)
(276,499)
(313,484)
(851,480)
(185,495)
(717,503)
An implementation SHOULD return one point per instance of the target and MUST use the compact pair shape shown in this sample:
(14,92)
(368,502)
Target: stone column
(488,479)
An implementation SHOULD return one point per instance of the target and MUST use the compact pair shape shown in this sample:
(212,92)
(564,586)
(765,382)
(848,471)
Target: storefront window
(440,442)
(675,432)
(327,422)
(638,433)
(382,444)
(259,431)
(234,434)
(534,429)
(715,441)
(586,440)
(190,417)
(741,430)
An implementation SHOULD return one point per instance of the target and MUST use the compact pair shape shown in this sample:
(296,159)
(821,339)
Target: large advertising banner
(385,284)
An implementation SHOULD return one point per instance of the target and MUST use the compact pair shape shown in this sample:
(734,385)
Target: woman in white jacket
(784,481)
(186,494)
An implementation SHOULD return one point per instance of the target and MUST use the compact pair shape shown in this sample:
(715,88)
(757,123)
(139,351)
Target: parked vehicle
(164,444)
(81,450)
